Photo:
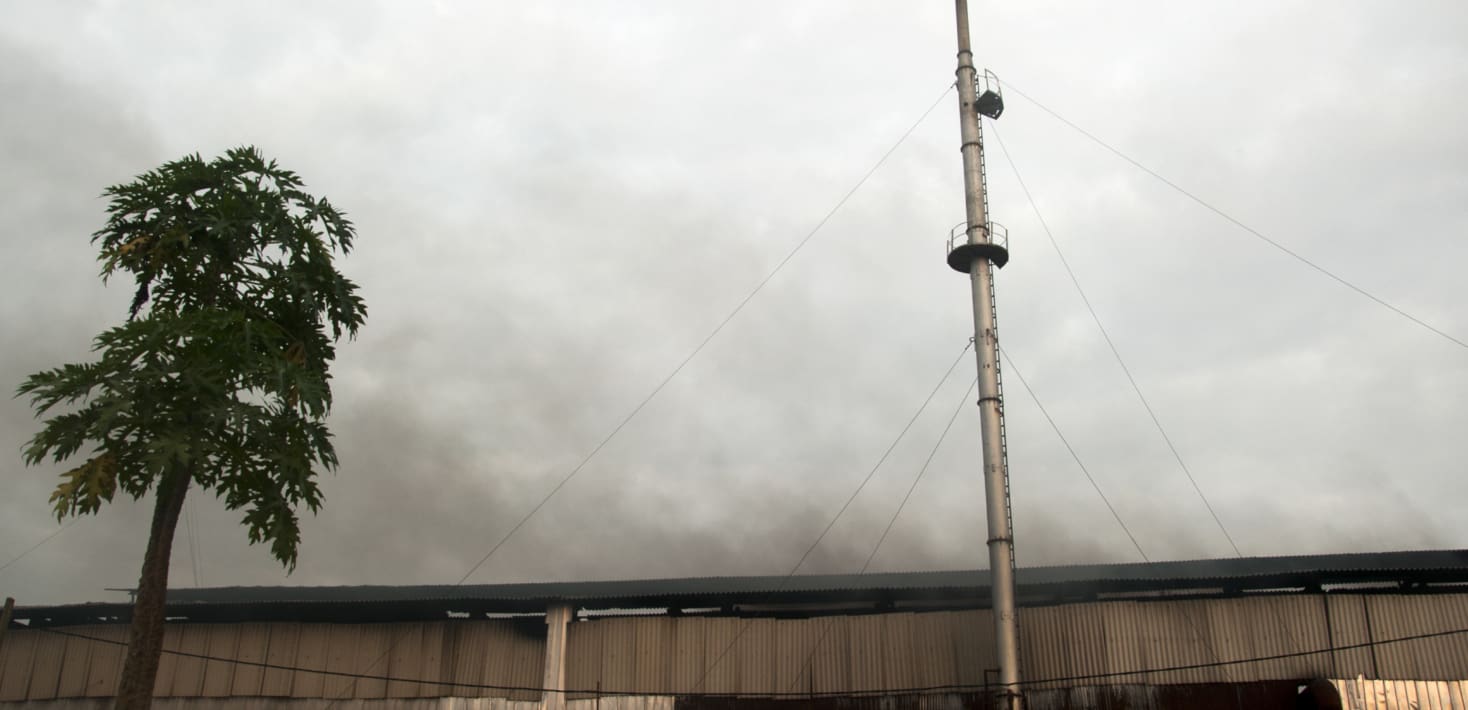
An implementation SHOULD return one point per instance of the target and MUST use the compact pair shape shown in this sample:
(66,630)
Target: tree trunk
(145,638)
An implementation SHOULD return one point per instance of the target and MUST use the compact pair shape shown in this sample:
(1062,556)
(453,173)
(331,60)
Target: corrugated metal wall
(660,655)
(1265,695)
(670,655)
(446,703)
(36,665)
(727,655)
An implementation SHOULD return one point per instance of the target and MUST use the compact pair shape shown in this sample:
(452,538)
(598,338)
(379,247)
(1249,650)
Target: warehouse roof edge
(1423,571)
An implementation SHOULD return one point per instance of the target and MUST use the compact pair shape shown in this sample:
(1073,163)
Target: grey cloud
(556,203)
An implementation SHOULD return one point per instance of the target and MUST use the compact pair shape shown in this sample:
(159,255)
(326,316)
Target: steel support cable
(810,659)
(919,477)
(192,542)
(1115,353)
(1197,631)
(1075,281)
(1009,363)
(949,688)
(42,541)
(697,348)
(844,506)
(1238,223)
(1080,464)
(709,338)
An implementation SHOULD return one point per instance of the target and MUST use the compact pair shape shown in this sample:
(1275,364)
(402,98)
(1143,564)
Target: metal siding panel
(689,658)
(619,665)
(1042,648)
(1196,629)
(1126,648)
(973,645)
(792,647)
(765,655)
(1096,643)
(312,642)
(1280,619)
(1229,633)
(508,659)
(75,660)
(251,646)
(830,667)
(1311,625)
(1305,618)
(221,641)
(1077,646)
(720,675)
(531,665)
(1034,632)
(1165,632)
(458,654)
(341,657)
(17,658)
(281,649)
(1161,632)
(955,627)
(869,652)
(1445,658)
(188,672)
(449,658)
(752,658)
(1348,628)
(106,664)
(402,660)
(45,676)
(430,661)
(897,651)
(1390,619)
(866,653)
(648,654)
(504,660)
(167,662)
(370,658)
(932,651)
(583,651)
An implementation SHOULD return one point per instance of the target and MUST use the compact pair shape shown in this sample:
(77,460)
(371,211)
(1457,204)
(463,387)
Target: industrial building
(1387,630)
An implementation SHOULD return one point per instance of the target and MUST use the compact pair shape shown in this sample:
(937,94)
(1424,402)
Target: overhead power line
(1115,353)
(1239,223)
(950,688)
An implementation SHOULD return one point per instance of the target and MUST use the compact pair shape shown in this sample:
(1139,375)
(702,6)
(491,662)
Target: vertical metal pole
(553,687)
(986,351)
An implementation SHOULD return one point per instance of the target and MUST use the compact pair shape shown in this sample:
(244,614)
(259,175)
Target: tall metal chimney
(977,247)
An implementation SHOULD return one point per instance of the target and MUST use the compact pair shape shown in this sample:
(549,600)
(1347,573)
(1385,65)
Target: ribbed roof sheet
(1337,568)
(1036,584)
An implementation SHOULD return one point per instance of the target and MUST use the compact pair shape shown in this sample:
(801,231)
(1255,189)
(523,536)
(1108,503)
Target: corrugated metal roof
(1358,567)
(965,587)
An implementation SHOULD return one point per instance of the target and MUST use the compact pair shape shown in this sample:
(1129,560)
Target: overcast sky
(557,201)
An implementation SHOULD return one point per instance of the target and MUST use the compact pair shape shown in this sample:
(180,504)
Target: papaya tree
(218,375)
